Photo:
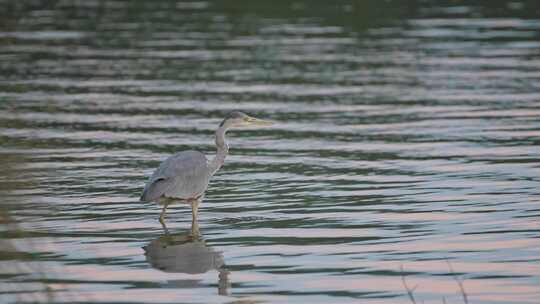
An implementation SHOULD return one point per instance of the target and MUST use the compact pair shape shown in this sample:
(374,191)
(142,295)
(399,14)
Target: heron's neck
(222,150)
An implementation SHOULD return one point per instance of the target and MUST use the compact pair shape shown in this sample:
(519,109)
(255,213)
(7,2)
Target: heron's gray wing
(155,189)
(183,175)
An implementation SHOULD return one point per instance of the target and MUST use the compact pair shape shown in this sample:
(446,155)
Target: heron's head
(238,119)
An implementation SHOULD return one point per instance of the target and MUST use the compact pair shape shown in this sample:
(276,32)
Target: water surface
(406,147)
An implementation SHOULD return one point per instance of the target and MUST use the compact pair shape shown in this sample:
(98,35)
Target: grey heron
(184,176)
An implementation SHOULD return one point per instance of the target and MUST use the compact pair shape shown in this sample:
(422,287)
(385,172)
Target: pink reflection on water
(431,287)
(422,216)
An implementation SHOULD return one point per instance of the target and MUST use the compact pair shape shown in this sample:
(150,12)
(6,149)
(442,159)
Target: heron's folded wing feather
(180,175)
(155,189)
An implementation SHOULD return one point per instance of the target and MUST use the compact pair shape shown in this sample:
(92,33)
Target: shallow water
(406,151)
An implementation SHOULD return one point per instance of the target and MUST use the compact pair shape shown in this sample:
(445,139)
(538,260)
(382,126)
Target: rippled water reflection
(408,137)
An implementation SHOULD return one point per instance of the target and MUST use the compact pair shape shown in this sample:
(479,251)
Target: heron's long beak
(252,121)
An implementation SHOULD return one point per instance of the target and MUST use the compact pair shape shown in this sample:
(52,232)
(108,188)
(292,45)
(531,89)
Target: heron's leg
(164,228)
(194,219)
(162,216)
(195,229)
(194,210)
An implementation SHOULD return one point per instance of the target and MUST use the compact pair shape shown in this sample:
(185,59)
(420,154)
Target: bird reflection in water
(187,253)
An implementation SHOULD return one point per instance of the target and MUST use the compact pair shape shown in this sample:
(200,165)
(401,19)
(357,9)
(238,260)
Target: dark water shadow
(188,253)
